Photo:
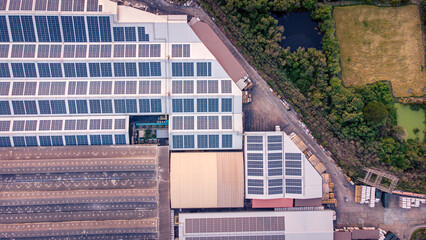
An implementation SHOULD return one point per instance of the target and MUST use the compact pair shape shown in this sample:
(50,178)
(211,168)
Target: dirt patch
(382,43)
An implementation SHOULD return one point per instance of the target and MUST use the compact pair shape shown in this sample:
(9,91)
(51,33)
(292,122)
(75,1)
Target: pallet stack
(409,202)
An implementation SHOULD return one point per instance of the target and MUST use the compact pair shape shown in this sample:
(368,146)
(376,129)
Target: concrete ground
(267,110)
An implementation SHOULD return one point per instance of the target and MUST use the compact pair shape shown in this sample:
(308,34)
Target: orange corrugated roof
(272,203)
(219,50)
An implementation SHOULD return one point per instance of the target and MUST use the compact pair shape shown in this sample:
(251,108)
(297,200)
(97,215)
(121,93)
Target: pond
(299,31)
(410,119)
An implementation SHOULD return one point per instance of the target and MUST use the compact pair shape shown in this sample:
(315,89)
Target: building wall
(73,61)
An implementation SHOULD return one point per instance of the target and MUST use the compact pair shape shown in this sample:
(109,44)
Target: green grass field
(382,43)
(410,119)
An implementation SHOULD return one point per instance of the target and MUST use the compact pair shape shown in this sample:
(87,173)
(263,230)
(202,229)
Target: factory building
(91,72)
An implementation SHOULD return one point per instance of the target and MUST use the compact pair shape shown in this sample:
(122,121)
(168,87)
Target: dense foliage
(358,124)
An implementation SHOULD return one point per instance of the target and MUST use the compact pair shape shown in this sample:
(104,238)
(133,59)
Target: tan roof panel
(219,50)
(207,179)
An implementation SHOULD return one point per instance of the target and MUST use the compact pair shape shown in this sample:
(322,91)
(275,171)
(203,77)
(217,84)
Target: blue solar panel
(4,108)
(95,140)
(79,29)
(120,106)
(155,105)
(68,28)
(255,172)
(204,69)
(93,28)
(141,35)
(30,70)
(226,104)
(54,29)
(226,141)
(188,141)
(144,69)
(43,70)
(106,70)
(155,68)
(202,141)
(81,69)
(95,106)
(130,34)
(213,104)
(18,70)
(70,140)
(119,70)
(120,139)
(55,70)
(131,106)
(275,172)
(107,140)
(5,142)
(188,69)
(106,106)
(131,69)
(144,106)
(18,107)
(16,28)
(105,29)
(177,70)
(72,107)
(81,106)
(177,141)
(4,34)
(4,70)
(19,141)
(69,69)
(201,105)
(58,107)
(57,141)
(177,105)
(28,28)
(213,141)
(188,105)
(30,107)
(42,29)
(45,141)
(118,34)
(82,140)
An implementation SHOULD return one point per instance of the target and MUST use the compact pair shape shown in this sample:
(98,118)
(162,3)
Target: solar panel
(81,51)
(130,50)
(275,190)
(213,86)
(4,126)
(70,124)
(177,123)
(201,122)
(177,141)
(52,5)
(226,122)
(188,123)
(293,172)
(4,50)
(43,51)
(4,88)
(254,156)
(40,5)
(81,124)
(293,164)
(202,141)
(213,122)
(17,51)
(275,172)
(27,5)
(106,105)
(226,104)
(293,156)
(201,86)
(256,191)
(18,88)
(119,50)
(78,5)
(189,141)
(92,5)
(204,68)
(29,51)
(275,146)
(56,125)
(254,147)
(255,183)
(275,164)
(106,124)
(95,124)
(18,125)
(119,124)
(55,51)
(66,5)
(213,141)
(57,88)
(254,139)
(94,51)
(155,50)
(3,4)
(14,4)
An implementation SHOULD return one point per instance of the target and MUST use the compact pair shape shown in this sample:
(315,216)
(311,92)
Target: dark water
(299,31)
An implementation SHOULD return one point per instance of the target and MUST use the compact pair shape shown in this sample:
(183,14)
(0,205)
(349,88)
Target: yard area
(382,43)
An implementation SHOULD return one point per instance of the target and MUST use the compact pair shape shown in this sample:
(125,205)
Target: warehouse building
(276,168)
(83,72)
(85,192)
(207,180)
(288,225)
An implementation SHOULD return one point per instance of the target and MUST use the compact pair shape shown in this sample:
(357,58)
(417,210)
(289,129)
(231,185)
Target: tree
(375,112)
(399,132)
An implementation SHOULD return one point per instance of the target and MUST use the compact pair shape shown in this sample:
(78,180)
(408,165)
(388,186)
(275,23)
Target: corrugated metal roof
(342,235)
(272,203)
(312,202)
(365,234)
(219,50)
(207,180)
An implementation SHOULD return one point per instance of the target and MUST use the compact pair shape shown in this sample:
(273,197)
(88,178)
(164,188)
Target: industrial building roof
(272,203)
(219,50)
(276,168)
(207,179)
(288,225)
(95,191)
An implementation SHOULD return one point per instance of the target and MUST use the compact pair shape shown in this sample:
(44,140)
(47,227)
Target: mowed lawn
(382,43)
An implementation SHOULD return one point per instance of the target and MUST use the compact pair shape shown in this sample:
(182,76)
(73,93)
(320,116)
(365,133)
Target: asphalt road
(269,110)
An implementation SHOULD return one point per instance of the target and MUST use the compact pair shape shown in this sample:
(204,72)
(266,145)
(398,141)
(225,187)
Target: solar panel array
(93,65)
(253,225)
(271,170)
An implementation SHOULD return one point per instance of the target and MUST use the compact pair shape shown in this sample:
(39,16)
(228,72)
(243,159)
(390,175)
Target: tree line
(358,124)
